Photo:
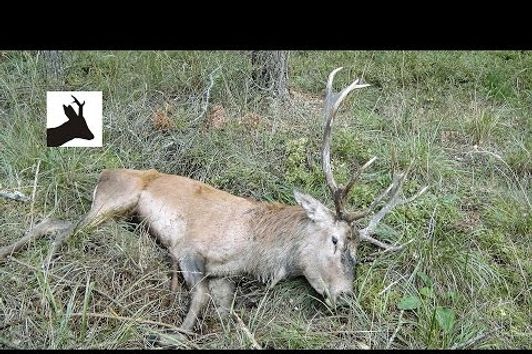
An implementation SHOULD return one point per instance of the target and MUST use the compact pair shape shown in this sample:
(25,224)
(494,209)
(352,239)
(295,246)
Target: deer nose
(330,302)
(340,297)
(345,299)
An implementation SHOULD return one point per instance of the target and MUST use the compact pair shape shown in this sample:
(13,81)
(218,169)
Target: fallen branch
(470,341)
(14,196)
(247,332)
(34,190)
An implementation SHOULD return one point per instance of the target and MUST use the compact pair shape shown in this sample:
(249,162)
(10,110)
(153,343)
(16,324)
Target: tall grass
(461,120)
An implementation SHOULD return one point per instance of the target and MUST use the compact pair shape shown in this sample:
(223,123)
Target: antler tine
(363,213)
(77,102)
(343,94)
(332,103)
(333,100)
(328,87)
(350,217)
(393,190)
(356,176)
(326,151)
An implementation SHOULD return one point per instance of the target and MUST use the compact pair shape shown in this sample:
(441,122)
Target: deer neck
(61,134)
(277,232)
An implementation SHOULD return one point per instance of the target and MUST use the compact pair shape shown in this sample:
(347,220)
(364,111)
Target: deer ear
(69,112)
(313,208)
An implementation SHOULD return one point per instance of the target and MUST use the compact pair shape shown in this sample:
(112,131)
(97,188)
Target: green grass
(461,120)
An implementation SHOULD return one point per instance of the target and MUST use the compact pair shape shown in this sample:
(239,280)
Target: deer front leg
(173,271)
(173,282)
(199,297)
(222,290)
(193,269)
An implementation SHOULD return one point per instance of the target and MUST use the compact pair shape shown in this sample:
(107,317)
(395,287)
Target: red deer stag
(213,235)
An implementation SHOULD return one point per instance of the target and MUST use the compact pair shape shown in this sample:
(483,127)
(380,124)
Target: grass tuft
(459,120)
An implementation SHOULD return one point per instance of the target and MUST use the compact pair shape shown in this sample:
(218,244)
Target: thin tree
(54,66)
(270,73)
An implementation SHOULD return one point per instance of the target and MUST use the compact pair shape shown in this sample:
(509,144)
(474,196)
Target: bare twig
(399,325)
(131,319)
(34,190)
(470,341)
(207,95)
(247,332)
(16,195)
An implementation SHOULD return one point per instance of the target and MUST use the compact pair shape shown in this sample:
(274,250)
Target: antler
(395,200)
(80,105)
(332,103)
(77,102)
(339,192)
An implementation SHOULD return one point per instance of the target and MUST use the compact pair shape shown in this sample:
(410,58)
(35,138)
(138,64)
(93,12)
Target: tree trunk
(270,72)
(54,65)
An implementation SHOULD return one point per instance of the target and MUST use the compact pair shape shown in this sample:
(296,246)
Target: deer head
(76,122)
(337,233)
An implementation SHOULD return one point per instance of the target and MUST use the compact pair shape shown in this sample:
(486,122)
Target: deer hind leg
(116,193)
(193,269)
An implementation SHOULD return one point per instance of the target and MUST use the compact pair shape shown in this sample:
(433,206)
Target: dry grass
(461,120)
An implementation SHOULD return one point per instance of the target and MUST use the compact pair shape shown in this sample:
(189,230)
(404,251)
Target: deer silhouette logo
(75,127)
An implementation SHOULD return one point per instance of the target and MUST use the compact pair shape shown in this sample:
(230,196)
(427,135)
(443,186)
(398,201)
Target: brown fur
(213,235)
(277,232)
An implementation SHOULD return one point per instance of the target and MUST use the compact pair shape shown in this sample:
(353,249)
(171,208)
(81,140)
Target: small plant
(300,170)
(437,321)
